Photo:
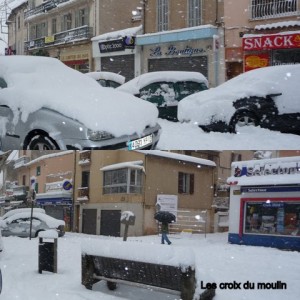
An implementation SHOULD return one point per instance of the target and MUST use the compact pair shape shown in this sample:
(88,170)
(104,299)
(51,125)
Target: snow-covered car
(165,89)
(18,224)
(46,105)
(266,97)
(107,79)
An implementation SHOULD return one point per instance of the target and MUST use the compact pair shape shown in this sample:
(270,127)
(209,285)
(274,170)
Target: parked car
(266,97)
(19,224)
(165,89)
(107,79)
(46,105)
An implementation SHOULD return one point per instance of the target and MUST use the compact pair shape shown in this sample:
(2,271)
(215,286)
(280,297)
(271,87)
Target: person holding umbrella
(165,218)
(164,232)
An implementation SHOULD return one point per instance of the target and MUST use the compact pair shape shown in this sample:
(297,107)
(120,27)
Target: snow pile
(133,86)
(204,106)
(107,76)
(71,93)
(156,254)
(126,215)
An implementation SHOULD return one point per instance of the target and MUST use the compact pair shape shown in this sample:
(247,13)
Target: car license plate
(139,143)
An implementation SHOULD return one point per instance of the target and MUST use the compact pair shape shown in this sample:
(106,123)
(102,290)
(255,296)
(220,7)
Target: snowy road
(177,136)
(216,261)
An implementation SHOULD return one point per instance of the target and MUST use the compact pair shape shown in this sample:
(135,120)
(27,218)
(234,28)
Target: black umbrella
(164,217)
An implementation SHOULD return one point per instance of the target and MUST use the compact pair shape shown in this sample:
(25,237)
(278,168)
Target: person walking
(164,232)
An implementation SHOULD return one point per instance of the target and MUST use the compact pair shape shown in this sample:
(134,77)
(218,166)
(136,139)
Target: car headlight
(99,135)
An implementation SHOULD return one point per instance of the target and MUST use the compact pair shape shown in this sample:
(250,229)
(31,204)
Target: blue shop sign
(252,189)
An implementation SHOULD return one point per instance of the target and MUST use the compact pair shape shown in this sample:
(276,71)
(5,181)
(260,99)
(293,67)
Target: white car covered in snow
(266,97)
(18,224)
(45,105)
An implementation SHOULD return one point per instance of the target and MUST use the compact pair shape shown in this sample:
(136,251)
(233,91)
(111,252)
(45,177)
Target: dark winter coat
(165,228)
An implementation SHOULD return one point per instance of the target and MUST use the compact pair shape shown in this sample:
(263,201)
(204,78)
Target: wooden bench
(164,278)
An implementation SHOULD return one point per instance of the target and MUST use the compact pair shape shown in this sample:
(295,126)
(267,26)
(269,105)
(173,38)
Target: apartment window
(66,22)
(264,9)
(127,181)
(185,183)
(162,15)
(81,17)
(53,26)
(195,8)
(38,171)
(24,180)
(85,179)
(19,22)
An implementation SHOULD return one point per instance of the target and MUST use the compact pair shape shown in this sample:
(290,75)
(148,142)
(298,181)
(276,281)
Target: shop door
(122,64)
(110,222)
(89,221)
(194,64)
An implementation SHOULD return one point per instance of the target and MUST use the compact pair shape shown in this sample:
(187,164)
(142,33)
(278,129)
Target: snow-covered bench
(167,269)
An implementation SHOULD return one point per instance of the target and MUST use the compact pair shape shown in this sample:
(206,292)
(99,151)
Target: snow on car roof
(107,76)
(19,210)
(50,221)
(36,82)
(133,86)
(200,107)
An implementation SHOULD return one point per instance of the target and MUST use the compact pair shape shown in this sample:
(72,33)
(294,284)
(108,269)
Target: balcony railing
(83,194)
(43,8)
(69,36)
(266,9)
(85,158)
(21,161)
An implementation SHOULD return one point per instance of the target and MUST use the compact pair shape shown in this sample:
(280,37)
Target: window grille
(195,9)
(162,15)
(265,9)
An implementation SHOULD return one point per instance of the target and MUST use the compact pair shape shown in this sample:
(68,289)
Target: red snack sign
(268,42)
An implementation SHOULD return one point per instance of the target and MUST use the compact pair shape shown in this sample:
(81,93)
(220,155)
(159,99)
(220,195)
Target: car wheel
(41,142)
(243,118)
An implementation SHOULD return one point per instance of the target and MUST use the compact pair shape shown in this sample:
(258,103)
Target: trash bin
(48,251)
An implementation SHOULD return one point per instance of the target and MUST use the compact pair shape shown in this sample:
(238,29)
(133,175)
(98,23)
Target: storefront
(265,203)
(57,201)
(264,50)
(116,52)
(76,57)
(195,49)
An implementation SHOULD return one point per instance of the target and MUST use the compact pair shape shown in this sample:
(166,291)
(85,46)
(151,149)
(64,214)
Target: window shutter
(192,179)
(180,183)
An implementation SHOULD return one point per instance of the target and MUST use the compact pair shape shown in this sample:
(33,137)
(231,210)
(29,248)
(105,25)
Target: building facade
(110,182)
(53,175)
(259,33)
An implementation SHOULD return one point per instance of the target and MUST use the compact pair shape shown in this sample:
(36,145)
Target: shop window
(162,15)
(286,57)
(38,170)
(194,17)
(273,218)
(125,180)
(185,183)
